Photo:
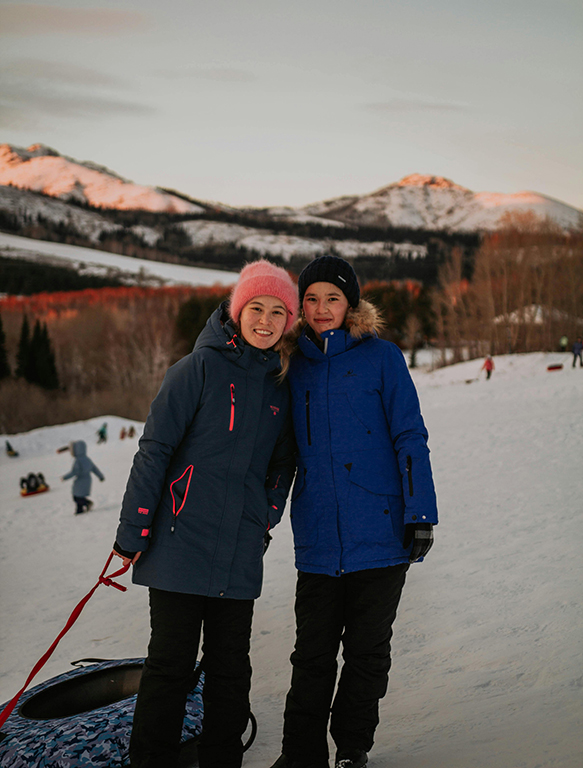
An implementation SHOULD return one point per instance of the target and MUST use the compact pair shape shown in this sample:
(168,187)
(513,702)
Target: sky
(263,102)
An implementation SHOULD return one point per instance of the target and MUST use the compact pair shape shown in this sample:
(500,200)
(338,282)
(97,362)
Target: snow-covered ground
(89,260)
(488,659)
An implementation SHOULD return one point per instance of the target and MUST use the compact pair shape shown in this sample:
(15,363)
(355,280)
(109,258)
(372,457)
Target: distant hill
(415,202)
(42,169)
(436,203)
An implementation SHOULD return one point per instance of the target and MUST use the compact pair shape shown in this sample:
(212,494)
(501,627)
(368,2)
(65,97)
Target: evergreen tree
(31,371)
(4,367)
(46,368)
(36,359)
(23,348)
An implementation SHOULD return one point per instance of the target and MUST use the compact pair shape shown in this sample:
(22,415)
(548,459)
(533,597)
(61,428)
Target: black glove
(421,534)
(266,541)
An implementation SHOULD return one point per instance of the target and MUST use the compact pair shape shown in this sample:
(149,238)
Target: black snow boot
(284,762)
(350,758)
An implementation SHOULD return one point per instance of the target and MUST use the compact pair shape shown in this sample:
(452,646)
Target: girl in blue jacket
(363,508)
(210,478)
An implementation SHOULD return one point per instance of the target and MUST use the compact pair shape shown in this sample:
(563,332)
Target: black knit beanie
(331,269)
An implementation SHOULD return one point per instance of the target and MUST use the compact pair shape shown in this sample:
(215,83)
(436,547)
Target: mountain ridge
(417,201)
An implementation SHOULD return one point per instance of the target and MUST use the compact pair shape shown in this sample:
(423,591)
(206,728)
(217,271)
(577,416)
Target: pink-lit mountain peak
(425,180)
(41,169)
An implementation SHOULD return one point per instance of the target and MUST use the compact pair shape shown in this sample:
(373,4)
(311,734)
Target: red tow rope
(103,579)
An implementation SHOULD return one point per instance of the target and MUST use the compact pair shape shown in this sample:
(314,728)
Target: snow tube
(83,718)
(555,367)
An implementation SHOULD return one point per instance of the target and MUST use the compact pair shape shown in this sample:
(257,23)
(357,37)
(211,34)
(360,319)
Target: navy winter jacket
(363,460)
(213,469)
(81,470)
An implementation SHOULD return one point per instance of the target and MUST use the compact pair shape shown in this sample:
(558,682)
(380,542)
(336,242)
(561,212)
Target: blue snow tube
(83,718)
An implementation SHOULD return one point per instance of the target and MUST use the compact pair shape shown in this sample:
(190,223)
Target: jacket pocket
(176,493)
(410,474)
(303,514)
(232,416)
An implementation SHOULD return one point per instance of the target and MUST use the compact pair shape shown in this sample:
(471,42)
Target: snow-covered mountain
(416,201)
(42,169)
(432,202)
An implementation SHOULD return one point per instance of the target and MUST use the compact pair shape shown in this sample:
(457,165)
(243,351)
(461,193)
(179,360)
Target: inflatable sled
(84,718)
(555,367)
(33,484)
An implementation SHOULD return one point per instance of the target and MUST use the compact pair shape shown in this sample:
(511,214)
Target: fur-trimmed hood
(359,321)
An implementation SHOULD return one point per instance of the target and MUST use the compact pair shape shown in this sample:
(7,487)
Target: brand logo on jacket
(349,373)
(274,409)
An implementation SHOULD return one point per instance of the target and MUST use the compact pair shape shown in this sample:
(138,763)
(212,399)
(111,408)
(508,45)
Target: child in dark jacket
(363,508)
(210,478)
(81,471)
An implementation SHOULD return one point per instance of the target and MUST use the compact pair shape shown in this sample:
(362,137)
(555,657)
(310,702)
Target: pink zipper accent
(232,421)
(176,512)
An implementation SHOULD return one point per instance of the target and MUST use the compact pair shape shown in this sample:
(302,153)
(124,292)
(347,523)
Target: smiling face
(262,321)
(325,307)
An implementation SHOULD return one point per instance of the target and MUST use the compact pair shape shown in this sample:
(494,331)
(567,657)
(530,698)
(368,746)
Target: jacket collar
(360,323)
(220,333)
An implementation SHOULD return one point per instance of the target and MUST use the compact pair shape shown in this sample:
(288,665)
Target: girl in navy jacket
(210,478)
(363,508)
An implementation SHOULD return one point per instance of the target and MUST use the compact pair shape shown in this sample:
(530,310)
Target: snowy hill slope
(42,169)
(487,656)
(432,202)
(92,261)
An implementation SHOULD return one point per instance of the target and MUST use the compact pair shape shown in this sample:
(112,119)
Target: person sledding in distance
(363,508)
(210,479)
(81,471)
(33,483)
(10,450)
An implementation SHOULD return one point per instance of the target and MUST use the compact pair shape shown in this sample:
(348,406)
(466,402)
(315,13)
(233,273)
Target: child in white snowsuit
(81,471)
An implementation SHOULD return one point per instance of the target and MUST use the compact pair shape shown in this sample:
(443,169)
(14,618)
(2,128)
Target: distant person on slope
(577,350)
(102,433)
(210,479)
(488,366)
(81,471)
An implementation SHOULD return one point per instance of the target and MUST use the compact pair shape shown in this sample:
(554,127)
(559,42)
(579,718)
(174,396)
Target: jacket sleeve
(73,472)
(281,471)
(97,471)
(171,413)
(409,438)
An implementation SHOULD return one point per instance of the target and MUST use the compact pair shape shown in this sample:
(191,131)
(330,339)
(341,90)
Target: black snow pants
(176,620)
(358,609)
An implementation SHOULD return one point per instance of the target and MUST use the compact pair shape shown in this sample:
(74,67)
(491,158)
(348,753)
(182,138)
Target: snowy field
(487,654)
(91,260)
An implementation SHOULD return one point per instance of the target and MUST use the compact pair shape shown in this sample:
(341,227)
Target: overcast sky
(262,102)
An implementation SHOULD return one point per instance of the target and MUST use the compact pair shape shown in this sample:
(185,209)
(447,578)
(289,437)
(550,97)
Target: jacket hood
(360,321)
(78,448)
(220,333)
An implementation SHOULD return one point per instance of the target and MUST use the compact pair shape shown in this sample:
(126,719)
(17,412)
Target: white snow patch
(487,652)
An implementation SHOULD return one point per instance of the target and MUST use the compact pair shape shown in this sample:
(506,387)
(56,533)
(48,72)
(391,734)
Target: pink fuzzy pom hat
(262,278)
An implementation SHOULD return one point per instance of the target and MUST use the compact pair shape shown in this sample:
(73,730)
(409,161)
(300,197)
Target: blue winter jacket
(81,470)
(213,469)
(363,460)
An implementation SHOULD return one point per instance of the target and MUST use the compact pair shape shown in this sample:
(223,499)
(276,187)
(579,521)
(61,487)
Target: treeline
(112,346)
(24,277)
(524,294)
